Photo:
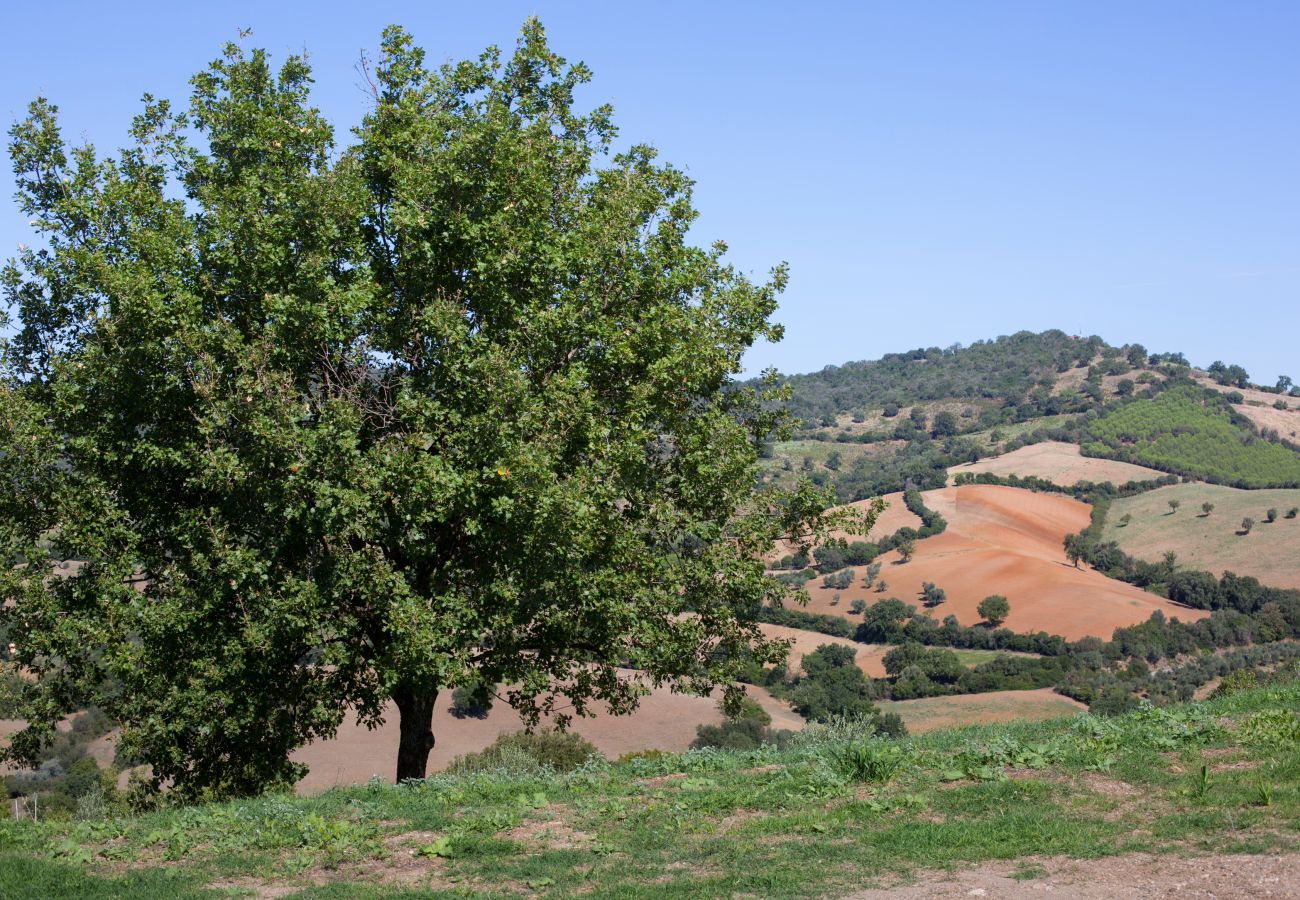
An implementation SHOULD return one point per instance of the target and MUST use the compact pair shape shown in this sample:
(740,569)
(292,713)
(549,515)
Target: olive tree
(330,428)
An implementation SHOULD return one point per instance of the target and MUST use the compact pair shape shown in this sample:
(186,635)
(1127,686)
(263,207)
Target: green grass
(832,813)
(972,658)
(1180,431)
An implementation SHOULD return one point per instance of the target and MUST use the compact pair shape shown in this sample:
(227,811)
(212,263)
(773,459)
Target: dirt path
(1137,875)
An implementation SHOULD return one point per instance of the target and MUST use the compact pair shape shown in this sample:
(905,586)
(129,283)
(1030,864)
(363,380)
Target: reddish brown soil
(664,721)
(1007,541)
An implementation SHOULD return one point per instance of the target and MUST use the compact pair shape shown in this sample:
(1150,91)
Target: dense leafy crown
(449,406)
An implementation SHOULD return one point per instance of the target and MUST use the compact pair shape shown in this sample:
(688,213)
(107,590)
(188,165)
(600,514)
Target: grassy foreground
(833,813)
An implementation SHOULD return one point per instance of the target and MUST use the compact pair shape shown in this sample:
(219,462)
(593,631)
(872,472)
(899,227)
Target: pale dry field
(933,713)
(1008,541)
(1271,552)
(1059,463)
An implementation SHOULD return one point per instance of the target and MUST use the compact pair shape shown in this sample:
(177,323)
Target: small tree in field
(1247,524)
(906,549)
(1174,504)
(1271,515)
(344,428)
(994,609)
(1125,519)
(1293,512)
(1073,548)
(1207,508)
(932,594)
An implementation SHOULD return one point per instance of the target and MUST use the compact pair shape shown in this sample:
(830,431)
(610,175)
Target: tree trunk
(416,725)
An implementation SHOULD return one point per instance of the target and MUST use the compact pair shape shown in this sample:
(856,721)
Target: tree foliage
(330,428)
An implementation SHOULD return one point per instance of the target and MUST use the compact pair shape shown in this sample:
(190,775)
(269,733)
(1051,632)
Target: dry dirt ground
(1259,408)
(1058,463)
(1270,552)
(1003,540)
(664,721)
(1137,875)
(933,713)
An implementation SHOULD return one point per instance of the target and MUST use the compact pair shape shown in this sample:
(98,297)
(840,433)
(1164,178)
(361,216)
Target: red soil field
(664,721)
(1003,540)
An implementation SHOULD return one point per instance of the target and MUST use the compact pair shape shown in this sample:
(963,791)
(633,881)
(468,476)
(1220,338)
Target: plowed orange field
(1003,540)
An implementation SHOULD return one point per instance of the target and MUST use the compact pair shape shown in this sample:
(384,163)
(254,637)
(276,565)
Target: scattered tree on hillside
(932,595)
(858,606)
(1126,518)
(1174,504)
(944,425)
(1284,383)
(1074,548)
(338,427)
(833,461)
(891,410)
(906,548)
(1229,375)
(882,586)
(1293,512)
(1207,508)
(1247,524)
(873,572)
(1271,515)
(994,609)
(1125,387)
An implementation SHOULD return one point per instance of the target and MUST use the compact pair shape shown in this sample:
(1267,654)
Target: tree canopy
(327,427)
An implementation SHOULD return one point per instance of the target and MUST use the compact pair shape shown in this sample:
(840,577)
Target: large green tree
(327,427)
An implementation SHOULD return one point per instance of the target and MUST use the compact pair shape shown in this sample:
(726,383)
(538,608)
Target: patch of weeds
(1029,871)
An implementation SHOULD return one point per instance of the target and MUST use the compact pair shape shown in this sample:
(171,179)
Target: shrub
(1271,515)
(1114,701)
(739,734)
(1293,512)
(1247,524)
(558,750)
(1207,508)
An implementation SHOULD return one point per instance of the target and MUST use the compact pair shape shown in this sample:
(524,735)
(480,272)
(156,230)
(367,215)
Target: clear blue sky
(933,172)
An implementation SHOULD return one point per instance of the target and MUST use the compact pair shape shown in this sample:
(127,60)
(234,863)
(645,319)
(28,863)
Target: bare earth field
(1271,552)
(933,713)
(1058,463)
(664,721)
(1003,540)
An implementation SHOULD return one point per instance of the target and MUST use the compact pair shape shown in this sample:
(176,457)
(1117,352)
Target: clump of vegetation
(529,751)
(746,729)
(832,685)
(994,609)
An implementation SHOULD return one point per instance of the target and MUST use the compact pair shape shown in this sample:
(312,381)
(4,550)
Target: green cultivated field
(1178,432)
(831,814)
(1271,552)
